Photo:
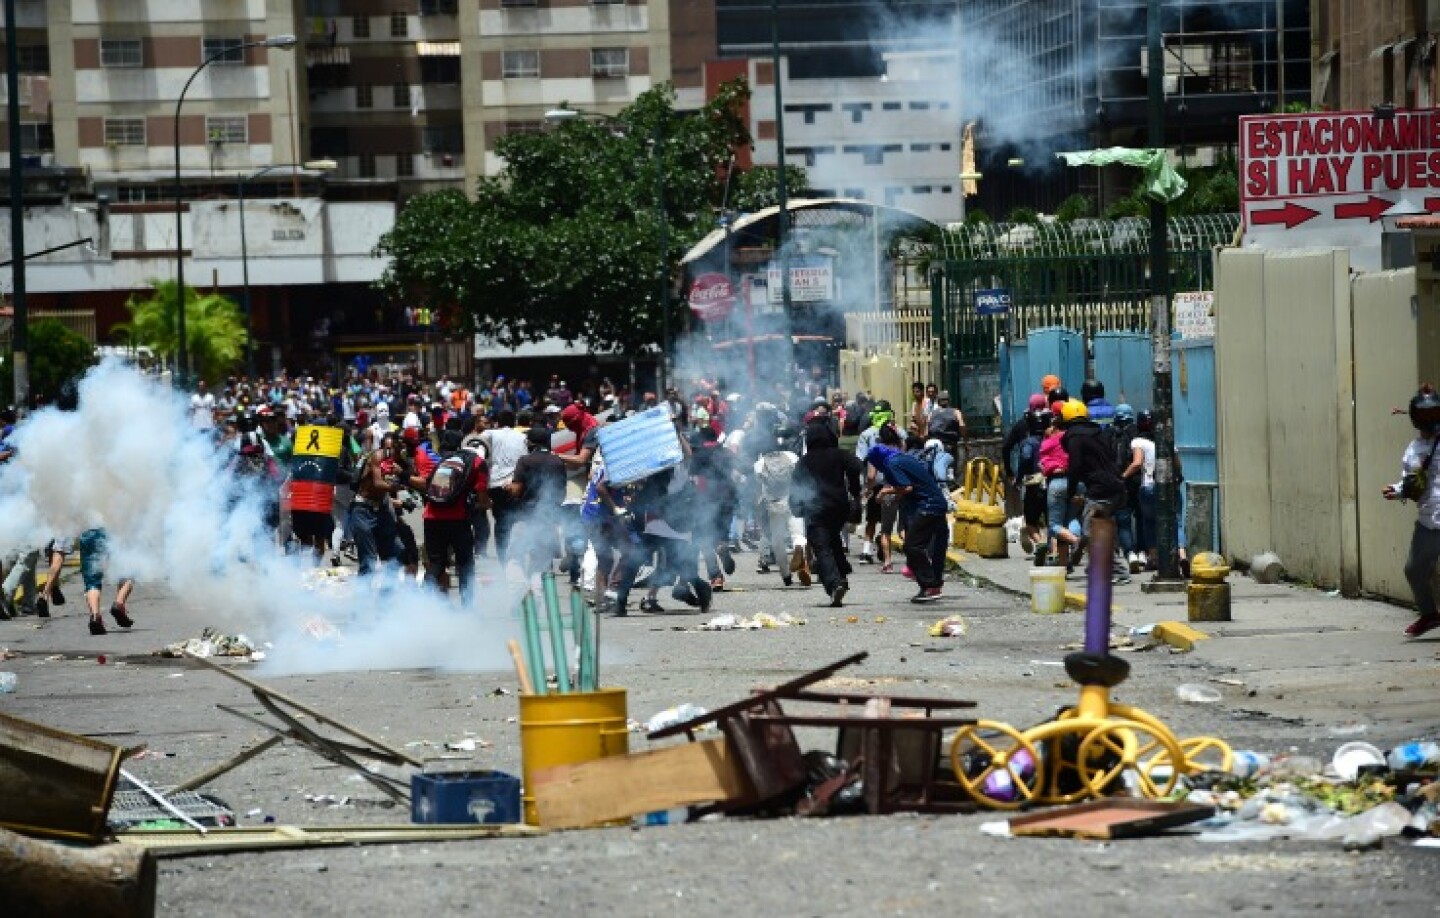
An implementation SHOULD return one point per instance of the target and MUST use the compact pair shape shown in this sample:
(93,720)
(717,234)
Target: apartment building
(1376,53)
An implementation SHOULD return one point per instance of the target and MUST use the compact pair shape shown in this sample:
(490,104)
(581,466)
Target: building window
(857,110)
(439,8)
(330,141)
(125,132)
(519,64)
(609,62)
(440,70)
(919,106)
(920,189)
(944,148)
(920,148)
(366,164)
(399,25)
(400,95)
(517,3)
(360,26)
(946,189)
(891,106)
(37,136)
(445,138)
(33,58)
(121,52)
(404,165)
(227,129)
(364,95)
(230,52)
(525,127)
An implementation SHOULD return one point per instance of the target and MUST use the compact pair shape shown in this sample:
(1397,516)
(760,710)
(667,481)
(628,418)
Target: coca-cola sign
(712,297)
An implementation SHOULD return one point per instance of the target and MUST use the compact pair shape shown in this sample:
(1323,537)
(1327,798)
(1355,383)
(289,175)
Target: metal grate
(133,807)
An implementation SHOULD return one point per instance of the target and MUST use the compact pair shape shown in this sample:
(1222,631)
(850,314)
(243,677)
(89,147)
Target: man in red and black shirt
(447,526)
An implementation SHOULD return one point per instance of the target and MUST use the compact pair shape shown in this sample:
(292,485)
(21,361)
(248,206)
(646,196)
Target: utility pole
(783,226)
(20,337)
(1165,488)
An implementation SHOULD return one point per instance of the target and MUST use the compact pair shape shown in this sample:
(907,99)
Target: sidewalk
(1305,653)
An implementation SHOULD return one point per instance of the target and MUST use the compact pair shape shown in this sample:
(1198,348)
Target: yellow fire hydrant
(1208,596)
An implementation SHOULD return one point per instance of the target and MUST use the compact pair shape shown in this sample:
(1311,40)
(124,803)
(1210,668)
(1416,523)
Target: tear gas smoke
(128,460)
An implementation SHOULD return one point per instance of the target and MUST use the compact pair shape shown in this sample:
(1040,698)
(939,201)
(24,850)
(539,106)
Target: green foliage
(1209,190)
(55,355)
(1075,207)
(755,189)
(566,241)
(974,216)
(214,328)
(1023,215)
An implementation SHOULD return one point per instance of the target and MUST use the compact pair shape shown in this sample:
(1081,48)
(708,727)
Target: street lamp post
(565,113)
(320,165)
(183,354)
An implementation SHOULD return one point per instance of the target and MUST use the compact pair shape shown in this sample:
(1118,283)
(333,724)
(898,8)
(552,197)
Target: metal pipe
(50,251)
(1169,568)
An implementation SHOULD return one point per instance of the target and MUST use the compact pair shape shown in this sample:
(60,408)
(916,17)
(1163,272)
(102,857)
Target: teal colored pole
(582,640)
(557,633)
(533,648)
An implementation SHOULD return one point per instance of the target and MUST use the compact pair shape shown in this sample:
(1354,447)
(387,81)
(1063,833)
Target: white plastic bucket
(1047,590)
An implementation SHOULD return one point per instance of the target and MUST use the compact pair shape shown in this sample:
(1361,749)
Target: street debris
(334,582)
(672,716)
(1193,693)
(761,622)
(950,626)
(212,643)
(8,682)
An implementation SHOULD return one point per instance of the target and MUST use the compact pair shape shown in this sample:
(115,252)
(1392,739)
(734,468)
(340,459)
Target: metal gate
(1090,276)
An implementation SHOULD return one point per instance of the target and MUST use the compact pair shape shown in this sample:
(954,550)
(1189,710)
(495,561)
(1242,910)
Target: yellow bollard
(1207,598)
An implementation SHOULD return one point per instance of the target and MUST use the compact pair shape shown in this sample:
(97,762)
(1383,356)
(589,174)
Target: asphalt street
(1008,662)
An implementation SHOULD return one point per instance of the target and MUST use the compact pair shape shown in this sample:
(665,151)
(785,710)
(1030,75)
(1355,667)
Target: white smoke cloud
(129,461)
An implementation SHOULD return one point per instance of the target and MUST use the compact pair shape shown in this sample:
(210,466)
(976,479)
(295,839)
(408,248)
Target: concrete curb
(1074,602)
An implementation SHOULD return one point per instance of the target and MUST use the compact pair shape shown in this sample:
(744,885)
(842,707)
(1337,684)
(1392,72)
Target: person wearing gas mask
(1420,482)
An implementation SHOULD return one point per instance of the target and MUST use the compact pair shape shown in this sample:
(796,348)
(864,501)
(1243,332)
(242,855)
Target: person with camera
(454,483)
(1420,483)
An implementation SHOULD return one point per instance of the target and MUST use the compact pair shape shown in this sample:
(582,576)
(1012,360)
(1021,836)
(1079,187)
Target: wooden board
(166,843)
(1115,817)
(55,784)
(619,787)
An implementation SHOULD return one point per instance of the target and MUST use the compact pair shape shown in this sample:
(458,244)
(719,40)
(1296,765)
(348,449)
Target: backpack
(453,479)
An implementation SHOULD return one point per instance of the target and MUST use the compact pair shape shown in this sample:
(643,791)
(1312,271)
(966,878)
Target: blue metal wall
(1122,363)
(1044,351)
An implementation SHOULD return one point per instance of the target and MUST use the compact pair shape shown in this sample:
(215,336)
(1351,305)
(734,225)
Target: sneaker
(866,558)
(121,617)
(97,626)
(42,607)
(683,592)
(1120,579)
(887,568)
(1040,552)
(7,609)
(762,567)
(799,566)
(1422,625)
(717,583)
(651,605)
(727,560)
(926,596)
(907,573)
(57,597)
(1137,563)
(837,598)
(787,580)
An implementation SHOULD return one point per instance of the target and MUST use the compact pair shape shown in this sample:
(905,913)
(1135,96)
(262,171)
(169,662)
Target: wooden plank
(167,843)
(54,783)
(619,787)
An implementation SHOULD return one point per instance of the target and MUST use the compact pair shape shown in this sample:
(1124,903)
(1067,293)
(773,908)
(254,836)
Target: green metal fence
(1087,275)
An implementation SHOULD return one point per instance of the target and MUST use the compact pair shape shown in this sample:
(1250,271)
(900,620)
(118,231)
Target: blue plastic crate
(465,796)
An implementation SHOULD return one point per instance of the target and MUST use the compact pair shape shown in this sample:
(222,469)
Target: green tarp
(1161,179)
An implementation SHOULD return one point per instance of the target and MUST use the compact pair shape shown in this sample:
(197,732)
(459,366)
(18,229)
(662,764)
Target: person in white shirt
(1142,463)
(504,445)
(202,408)
(1420,482)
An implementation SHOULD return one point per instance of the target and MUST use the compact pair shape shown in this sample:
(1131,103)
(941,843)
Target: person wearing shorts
(94,553)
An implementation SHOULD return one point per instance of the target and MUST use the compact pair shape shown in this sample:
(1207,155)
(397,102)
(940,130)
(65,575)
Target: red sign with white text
(712,297)
(1326,178)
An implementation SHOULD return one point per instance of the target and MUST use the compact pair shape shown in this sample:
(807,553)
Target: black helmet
(1058,395)
(1145,421)
(1091,389)
(1425,410)
(1038,421)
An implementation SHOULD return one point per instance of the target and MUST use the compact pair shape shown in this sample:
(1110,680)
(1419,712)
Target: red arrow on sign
(1372,208)
(1292,215)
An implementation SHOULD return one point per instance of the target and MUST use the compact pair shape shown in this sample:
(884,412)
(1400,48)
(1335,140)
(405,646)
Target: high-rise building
(1378,53)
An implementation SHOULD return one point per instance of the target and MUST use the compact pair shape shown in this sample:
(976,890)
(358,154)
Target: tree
(214,327)
(56,355)
(565,242)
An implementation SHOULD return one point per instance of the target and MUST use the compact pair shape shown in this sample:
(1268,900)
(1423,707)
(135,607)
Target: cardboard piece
(1115,817)
(620,787)
(55,784)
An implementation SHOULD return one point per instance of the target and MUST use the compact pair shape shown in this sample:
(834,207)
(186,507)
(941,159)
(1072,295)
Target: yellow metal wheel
(1008,762)
(1120,747)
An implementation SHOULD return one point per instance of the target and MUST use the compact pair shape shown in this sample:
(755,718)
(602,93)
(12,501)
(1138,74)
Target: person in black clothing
(712,467)
(825,483)
(1093,463)
(538,489)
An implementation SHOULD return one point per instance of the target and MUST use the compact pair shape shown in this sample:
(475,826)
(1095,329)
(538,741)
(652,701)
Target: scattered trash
(500,692)
(951,626)
(1353,756)
(7,654)
(1352,729)
(672,716)
(1192,693)
(1267,568)
(101,659)
(999,828)
(1247,764)
(1234,683)
(327,800)
(761,622)
(8,682)
(1116,817)
(212,643)
(255,812)
(469,744)
(1411,756)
